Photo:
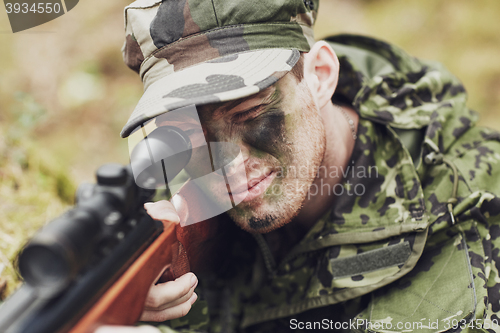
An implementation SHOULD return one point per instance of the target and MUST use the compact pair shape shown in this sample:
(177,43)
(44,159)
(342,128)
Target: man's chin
(260,223)
(263,215)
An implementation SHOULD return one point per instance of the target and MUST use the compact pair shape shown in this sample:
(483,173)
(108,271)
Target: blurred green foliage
(65,93)
(30,188)
(462,34)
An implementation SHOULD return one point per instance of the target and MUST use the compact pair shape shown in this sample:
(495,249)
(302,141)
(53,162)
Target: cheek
(268,134)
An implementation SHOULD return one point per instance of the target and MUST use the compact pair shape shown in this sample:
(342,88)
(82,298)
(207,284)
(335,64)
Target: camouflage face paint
(287,134)
(267,132)
(277,130)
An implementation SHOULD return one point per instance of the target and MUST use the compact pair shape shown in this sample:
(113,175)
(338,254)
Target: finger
(175,302)
(160,274)
(127,329)
(177,311)
(168,292)
(162,210)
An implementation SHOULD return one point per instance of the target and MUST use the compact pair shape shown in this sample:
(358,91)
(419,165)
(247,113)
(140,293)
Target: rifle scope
(158,158)
(60,250)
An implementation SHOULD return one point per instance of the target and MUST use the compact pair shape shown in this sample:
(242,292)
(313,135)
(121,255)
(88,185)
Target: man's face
(282,139)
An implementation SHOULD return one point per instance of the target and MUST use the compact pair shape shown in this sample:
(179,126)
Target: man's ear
(321,72)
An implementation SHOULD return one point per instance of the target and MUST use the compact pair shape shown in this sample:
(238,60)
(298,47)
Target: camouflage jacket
(417,235)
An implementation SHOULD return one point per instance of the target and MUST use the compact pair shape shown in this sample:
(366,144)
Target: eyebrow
(220,111)
(230,106)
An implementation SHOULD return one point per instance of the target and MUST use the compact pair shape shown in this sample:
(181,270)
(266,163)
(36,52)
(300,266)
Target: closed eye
(244,115)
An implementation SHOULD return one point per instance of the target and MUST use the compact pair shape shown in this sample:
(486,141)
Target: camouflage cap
(207,51)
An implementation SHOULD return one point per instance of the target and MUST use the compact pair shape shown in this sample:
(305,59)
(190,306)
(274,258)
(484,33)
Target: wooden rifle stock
(123,303)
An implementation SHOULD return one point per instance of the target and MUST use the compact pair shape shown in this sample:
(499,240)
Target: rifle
(95,264)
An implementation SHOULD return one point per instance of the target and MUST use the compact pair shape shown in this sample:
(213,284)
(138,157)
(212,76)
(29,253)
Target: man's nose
(229,156)
(245,151)
(237,165)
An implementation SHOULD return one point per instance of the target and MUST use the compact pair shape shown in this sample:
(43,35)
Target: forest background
(65,93)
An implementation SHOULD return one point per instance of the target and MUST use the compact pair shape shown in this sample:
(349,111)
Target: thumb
(180,204)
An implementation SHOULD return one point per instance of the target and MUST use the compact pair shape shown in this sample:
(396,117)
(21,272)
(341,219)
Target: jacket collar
(390,87)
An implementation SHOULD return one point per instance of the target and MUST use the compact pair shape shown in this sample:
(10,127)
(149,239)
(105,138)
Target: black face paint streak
(267,132)
(262,223)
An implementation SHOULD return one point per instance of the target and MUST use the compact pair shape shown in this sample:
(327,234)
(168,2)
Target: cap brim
(223,79)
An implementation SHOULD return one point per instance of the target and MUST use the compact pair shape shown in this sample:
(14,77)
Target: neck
(339,147)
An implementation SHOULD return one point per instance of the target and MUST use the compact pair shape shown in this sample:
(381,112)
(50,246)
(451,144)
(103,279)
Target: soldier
(372,197)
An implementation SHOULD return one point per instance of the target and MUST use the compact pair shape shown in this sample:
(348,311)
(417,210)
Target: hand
(170,300)
(162,211)
(165,301)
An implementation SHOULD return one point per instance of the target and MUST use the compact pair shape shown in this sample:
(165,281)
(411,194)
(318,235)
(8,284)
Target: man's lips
(248,184)
(253,189)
